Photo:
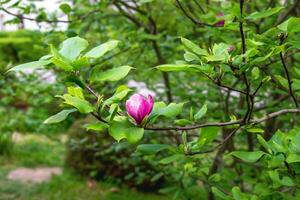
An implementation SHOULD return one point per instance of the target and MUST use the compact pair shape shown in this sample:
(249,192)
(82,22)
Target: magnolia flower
(221,22)
(139,107)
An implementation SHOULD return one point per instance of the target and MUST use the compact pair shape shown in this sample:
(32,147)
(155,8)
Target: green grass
(34,152)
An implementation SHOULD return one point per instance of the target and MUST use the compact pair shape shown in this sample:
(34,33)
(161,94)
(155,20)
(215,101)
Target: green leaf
(62,115)
(219,193)
(121,128)
(208,134)
(248,156)
(61,64)
(255,130)
(148,149)
(220,53)
(263,143)
(72,47)
(282,81)
(170,159)
(276,160)
(255,73)
(76,92)
(277,182)
(172,110)
(99,126)
(201,112)
(190,46)
(274,175)
(296,84)
(102,49)
(291,25)
(264,14)
(183,122)
(119,95)
(287,181)
(80,62)
(82,105)
(293,158)
(177,68)
(114,74)
(66,8)
(30,65)
(189,57)
(214,178)
(237,194)
(156,177)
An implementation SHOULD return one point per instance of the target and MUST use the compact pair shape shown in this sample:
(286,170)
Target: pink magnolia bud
(221,22)
(139,107)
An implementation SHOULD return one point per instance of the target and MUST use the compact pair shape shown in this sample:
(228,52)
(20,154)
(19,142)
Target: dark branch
(22,17)
(289,80)
(221,124)
(191,18)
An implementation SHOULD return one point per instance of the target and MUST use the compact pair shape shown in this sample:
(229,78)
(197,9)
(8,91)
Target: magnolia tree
(233,131)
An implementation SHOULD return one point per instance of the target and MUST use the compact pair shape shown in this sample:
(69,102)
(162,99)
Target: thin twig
(191,18)
(22,17)
(289,80)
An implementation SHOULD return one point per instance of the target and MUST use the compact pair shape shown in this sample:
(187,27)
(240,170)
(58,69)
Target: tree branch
(221,124)
(191,18)
(22,17)
(289,80)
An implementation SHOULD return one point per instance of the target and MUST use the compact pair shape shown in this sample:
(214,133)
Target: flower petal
(150,104)
(135,107)
(143,110)
(132,105)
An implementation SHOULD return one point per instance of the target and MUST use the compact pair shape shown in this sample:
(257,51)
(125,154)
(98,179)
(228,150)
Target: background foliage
(226,81)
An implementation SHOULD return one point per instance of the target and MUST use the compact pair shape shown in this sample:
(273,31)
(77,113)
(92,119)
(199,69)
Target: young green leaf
(119,95)
(99,126)
(82,105)
(220,194)
(201,112)
(264,14)
(248,156)
(291,25)
(255,130)
(66,8)
(148,149)
(255,73)
(30,65)
(102,49)
(264,143)
(72,47)
(172,110)
(121,128)
(190,46)
(61,64)
(114,74)
(171,159)
(62,115)
(293,158)
(177,68)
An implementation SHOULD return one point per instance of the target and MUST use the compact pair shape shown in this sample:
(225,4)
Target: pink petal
(137,107)
(132,105)
(150,104)
(143,110)
(220,23)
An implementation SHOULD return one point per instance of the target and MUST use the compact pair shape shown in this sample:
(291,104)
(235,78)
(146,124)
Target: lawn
(41,151)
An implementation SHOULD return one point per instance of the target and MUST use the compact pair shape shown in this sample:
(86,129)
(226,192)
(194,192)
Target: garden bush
(93,155)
